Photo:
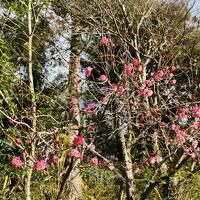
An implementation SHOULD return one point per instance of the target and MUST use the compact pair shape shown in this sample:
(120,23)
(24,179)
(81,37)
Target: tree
(156,41)
(136,113)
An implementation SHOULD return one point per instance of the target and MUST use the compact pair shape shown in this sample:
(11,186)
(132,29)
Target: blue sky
(196,8)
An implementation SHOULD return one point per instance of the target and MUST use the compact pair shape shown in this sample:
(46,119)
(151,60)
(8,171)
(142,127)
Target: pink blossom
(81,157)
(94,161)
(152,160)
(148,83)
(114,87)
(95,112)
(52,131)
(87,111)
(23,154)
(142,118)
(172,82)
(91,128)
(54,160)
(193,155)
(155,110)
(139,68)
(181,137)
(136,170)
(147,92)
(120,89)
(88,71)
(196,112)
(163,125)
(92,147)
(169,75)
(110,167)
(186,151)
(187,137)
(104,41)
(78,140)
(173,69)
(40,165)
(183,111)
(157,75)
(103,77)
(180,134)
(128,70)
(91,139)
(18,141)
(74,101)
(195,144)
(142,126)
(102,99)
(196,125)
(175,127)
(16,162)
(135,62)
(91,106)
(75,153)
(198,162)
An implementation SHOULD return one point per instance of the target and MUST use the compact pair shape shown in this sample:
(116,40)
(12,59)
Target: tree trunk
(130,188)
(73,90)
(126,144)
(33,103)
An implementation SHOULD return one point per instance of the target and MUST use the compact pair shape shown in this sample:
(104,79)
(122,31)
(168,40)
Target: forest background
(99,99)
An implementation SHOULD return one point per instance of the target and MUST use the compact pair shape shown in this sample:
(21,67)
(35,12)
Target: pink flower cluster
(163,125)
(135,62)
(175,127)
(196,112)
(91,109)
(145,92)
(110,167)
(181,136)
(54,160)
(75,153)
(104,41)
(182,112)
(119,89)
(88,71)
(195,126)
(78,140)
(94,161)
(172,82)
(128,70)
(139,68)
(195,144)
(158,75)
(40,165)
(92,147)
(102,99)
(173,69)
(103,78)
(16,162)
(152,160)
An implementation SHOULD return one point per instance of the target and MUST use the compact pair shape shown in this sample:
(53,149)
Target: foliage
(133,129)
